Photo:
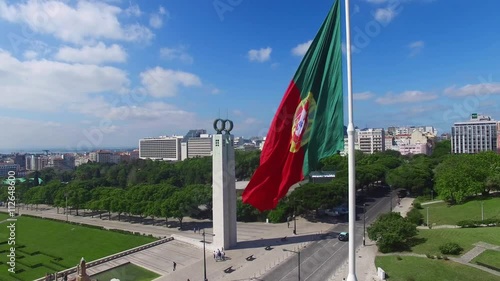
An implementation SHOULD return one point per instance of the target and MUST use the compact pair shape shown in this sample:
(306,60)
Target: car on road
(343,236)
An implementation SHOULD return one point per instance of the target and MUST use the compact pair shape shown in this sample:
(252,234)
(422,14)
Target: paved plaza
(186,248)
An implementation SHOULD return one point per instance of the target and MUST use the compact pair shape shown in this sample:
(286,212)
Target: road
(321,259)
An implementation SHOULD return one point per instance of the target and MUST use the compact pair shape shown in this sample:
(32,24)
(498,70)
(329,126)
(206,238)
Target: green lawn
(442,214)
(4,216)
(464,237)
(128,272)
(47,246)
(424,269)
(489,257)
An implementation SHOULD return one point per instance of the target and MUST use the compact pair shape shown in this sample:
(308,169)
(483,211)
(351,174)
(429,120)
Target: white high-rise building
(162,148)
(200,146)
(475,135)
(371,140)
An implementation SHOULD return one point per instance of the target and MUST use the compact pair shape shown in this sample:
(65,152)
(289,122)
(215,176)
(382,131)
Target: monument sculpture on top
(81,271)
(223,185)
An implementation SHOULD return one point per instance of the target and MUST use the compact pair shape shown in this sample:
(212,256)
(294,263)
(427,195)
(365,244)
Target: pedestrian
(175,265)
(288,222)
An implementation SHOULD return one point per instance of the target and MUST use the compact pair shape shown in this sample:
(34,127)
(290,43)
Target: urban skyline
(152,71)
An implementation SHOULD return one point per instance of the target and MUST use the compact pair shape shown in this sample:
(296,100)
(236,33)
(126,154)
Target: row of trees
(147,188)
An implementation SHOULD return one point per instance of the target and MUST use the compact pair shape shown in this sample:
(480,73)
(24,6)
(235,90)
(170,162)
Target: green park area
(445,214)
(408,268)
(430,242)
(488,257)
(127,272)
(465,237)
(44,246)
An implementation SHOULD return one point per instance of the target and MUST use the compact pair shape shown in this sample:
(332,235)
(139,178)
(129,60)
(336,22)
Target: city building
(5,168)
(477,134)
(194,133)
(371,140)
(103,156)
(20,159)
(199,146)
(406,149)
(162,148)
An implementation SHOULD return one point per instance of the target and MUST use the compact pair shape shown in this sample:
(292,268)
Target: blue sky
(91,74)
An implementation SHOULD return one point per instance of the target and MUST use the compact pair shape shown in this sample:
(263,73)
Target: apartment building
(477,134)
(162,148)
(371,140)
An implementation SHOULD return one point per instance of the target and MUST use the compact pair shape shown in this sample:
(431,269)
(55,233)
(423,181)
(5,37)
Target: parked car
(343,236)
(340,211)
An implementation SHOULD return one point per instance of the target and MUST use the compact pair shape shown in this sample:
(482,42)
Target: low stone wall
(112,257)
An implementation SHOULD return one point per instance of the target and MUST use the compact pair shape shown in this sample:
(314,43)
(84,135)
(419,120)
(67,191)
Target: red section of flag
(279,168)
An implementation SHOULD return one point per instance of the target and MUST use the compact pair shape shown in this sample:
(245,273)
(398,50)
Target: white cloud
(261,55)
(133,10)
(48,134)
(162,11)
(416,47)
(178,53)
(301,49)
(155,21)
(96,54)
(363,96)
(159,82)
(29,55)
(385,15)
(473,90)
(43,85)
(148,111)
(251,121)
(86,22)
(406,97)
(236,112)
(215,91)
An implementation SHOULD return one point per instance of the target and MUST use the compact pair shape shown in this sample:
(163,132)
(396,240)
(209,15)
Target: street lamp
(427,216)
(482,211)
(298,255)
(204,257)
(364,222)
(294,216)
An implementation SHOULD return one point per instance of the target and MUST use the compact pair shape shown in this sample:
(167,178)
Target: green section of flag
(320,73)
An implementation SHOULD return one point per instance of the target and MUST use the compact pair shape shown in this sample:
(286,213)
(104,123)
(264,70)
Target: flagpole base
(351,277)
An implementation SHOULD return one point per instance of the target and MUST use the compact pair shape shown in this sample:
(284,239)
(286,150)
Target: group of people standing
(219,255)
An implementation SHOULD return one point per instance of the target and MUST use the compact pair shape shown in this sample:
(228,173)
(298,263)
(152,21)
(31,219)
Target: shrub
(428,256)
(417,205)
(415,217)
(445,258)
(450,249)
(399,258)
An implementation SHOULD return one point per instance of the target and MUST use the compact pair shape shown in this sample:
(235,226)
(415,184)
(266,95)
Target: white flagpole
(350,152)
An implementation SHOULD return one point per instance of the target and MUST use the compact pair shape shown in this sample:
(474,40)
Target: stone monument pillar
(81,271)
(223,185)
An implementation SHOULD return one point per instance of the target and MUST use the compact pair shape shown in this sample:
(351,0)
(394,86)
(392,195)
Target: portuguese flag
(309,123)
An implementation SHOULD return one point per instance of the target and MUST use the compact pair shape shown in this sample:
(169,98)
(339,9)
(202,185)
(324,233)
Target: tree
(392,232)
(460,176)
